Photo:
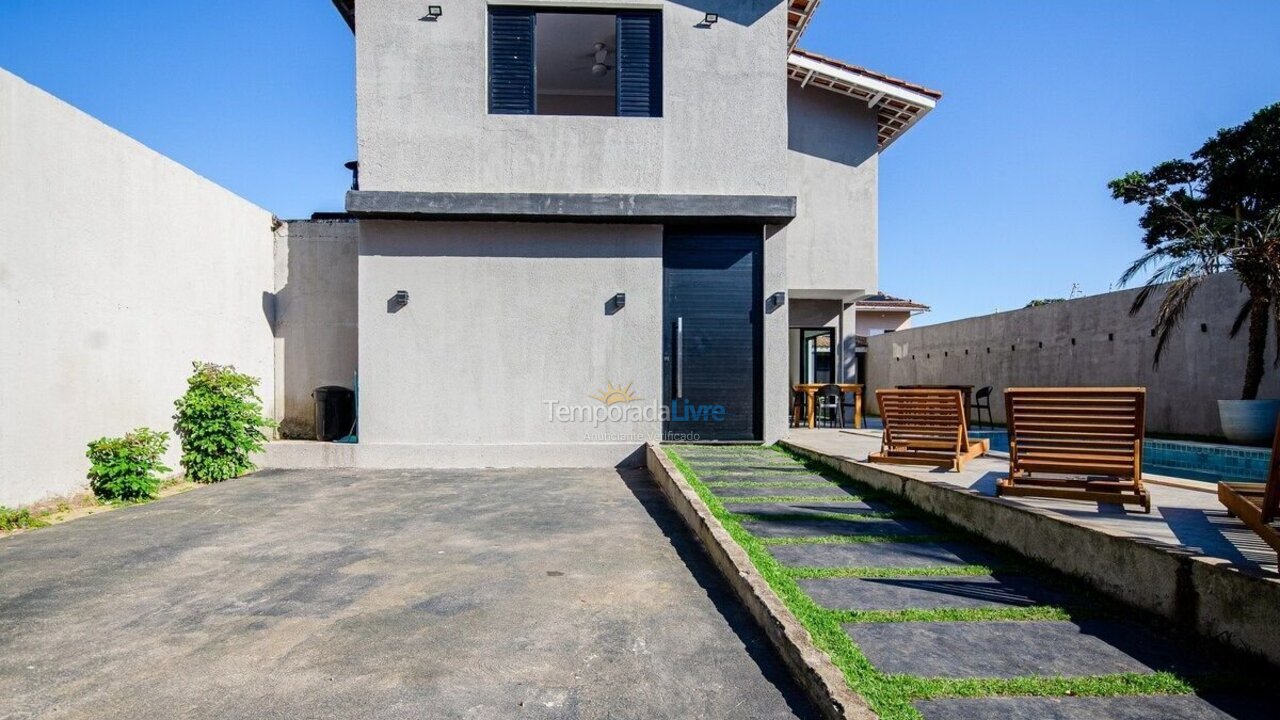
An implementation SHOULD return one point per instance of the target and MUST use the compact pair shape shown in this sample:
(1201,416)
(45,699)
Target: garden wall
(118,268)
(1089,341)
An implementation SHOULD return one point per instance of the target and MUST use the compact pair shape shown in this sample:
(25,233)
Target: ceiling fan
(600,55)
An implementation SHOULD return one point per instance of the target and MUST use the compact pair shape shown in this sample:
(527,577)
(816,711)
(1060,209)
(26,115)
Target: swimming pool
(1182,459)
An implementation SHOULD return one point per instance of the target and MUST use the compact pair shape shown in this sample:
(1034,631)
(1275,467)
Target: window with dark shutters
(639,64)
(512,76)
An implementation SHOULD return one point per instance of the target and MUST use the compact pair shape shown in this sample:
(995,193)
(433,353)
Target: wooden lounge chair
(1076,444)
(925,427)
(1257,504)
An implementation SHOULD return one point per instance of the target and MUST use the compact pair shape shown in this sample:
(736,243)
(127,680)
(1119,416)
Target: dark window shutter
(639,64)
(512,85)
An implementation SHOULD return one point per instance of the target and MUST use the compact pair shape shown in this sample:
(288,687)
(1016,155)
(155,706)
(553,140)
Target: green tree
(1218,211)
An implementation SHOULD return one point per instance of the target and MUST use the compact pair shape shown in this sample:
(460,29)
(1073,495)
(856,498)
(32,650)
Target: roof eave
(347,8)
(880,95)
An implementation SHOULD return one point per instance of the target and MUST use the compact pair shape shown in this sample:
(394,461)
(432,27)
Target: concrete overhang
(570,207)
(845,296)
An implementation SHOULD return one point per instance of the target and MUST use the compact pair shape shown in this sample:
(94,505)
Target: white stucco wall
(316,316)
(833,170)
(503,318)
(875,322)
(118,268)
(1089,341)
(423,121)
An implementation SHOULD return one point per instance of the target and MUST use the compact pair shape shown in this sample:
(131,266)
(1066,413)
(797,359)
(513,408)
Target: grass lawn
(892,696)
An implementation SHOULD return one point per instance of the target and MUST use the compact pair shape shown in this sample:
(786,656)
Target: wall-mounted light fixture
(776,301)
(710,19)
(615,303)
(433,13)
(402,298)
(354,167)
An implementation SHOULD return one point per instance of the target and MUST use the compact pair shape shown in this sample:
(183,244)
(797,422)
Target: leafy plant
(1218,211)
(220,422)
(18,519)
(128,469)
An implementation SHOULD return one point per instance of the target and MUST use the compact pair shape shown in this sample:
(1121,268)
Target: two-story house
(584,224)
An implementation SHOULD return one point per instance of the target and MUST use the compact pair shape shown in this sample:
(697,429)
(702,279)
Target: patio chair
(925,427)
(982,401)
(799,404)
(1076,444)
(830,399)
(1257,504)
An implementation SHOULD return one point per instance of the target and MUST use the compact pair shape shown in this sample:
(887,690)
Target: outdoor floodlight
(433,13)
(402,298)
(711,19)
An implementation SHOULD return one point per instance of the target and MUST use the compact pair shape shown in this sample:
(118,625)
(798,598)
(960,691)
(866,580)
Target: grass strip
(812,573)
(850,515)
(1032,613)
(792,499)
(891,697)
(853,539)
(770,484)
(1121,684)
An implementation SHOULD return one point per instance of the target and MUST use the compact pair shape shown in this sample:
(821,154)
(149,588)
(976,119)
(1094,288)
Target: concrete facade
(424,125)
(118,268)
(833,170)
(502,320)
(1089,341)
(316,326)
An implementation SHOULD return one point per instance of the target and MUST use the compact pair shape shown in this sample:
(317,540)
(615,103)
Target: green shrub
(18,519)
(220,422)
(128,469)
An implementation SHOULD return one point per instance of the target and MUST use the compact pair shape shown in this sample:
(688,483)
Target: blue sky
(996,198)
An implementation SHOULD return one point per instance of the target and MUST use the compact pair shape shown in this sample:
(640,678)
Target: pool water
(1181,459)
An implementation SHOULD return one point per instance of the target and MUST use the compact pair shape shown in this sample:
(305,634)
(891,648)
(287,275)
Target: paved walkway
(382,594)
(1191,518)
(939,616)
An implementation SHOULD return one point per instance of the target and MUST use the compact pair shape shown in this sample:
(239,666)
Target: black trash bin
(335,412)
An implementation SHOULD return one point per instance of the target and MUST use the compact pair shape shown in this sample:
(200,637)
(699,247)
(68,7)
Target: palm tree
(1218,212)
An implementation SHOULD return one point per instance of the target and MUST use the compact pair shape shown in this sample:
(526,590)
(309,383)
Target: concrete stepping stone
(1150,707)
(854,507)
(828,490)
(818,527)
(931,593)
(882,555)
(1007,649)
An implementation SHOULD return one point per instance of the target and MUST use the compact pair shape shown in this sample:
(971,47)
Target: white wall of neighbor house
(876,322)
(503,319)
(833,170)
(118,268)
(1089,341)
(316,327)
(424,125)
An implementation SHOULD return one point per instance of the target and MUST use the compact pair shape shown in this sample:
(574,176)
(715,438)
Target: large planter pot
(1249,422)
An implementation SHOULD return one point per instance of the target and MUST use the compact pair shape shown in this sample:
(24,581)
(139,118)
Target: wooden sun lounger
(1257,504)
(925,427)
(1076,444)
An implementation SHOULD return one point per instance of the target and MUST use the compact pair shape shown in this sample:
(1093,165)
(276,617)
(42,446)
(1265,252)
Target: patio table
(811,391)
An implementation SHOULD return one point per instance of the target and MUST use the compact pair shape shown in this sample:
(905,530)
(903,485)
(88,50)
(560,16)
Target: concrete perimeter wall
(118,268)
(316,316)
(1089,341)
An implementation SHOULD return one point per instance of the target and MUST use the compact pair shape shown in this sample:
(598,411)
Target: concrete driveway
(382,594)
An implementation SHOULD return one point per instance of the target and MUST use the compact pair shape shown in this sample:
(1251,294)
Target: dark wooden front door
(712,342)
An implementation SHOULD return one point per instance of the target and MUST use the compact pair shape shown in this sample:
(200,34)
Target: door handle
(680,357)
